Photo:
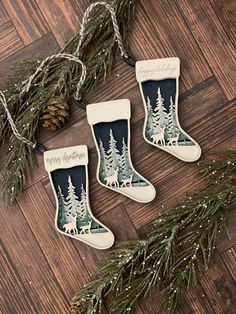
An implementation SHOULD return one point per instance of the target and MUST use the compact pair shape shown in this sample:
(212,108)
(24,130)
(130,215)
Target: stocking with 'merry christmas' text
(68,173)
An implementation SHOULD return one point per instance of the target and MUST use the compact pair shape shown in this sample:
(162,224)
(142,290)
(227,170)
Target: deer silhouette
(159,137)
(71,226)
(86,228)
(172,140)
(113,179)
(126,182)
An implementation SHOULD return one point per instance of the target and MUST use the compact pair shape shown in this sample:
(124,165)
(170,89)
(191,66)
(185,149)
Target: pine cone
(56,113)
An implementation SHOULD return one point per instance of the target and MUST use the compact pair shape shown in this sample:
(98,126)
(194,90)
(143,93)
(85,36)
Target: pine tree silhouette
(113,155)
(62,217)
(159,114)
(72,201)
(172,127)
(149,125)
(82,210)
(105,165)
(124,163)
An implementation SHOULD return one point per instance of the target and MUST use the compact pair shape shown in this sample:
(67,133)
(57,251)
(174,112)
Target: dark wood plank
(231,308)
(61,18)
(226,12)
(30,262)
(3,15)
(161,32)
(214,43)
(194,301)
(27,18)
(10,41)
(41,48)
(80,7)
(63,259)
(229,257)
(219,286)
(228,237)
(124,230)
(14,296)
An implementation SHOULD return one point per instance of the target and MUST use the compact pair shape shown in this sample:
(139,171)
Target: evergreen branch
(221,168)
(58,78)
(176,251)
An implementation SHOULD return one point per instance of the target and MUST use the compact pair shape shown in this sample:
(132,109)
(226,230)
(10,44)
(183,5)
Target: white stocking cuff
(158,69)
(108,111)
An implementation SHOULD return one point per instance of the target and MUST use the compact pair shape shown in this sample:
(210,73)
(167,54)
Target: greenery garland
(176,250)
(59,78)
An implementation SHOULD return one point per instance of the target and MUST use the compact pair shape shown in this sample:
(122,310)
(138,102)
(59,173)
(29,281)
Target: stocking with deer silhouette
(68,173)
(110,124)
(159,85)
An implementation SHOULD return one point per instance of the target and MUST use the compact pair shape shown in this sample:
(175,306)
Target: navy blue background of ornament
(168,89)
(120,131)
(78,177)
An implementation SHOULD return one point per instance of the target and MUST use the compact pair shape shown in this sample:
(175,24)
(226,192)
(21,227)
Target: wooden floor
(41,269)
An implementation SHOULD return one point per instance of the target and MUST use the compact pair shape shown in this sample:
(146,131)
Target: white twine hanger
(58,56)
(114,22)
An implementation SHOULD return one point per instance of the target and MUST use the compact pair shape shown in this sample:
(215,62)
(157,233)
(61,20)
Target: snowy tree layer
(72,205)
(160,120)
(113,159)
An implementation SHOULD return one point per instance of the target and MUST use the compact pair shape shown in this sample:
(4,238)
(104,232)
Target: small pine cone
(56,113)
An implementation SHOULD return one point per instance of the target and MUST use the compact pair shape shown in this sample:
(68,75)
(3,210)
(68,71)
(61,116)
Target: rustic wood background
(41,269)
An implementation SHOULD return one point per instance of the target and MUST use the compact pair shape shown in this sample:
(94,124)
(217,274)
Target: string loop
(54,57)
(114,22)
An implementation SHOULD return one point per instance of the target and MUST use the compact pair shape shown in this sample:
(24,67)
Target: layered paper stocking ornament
(159,85)
(110,124)
(68,173)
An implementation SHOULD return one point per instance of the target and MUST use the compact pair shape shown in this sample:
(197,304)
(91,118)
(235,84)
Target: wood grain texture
(217,49)
(229,257)
(27,18)
(42,269)
(22,302)
(175,40)
(219,286)
(30,263)
(61,18)
(226,12)
(39,49)
(228,237)
(3,15)
(10,41)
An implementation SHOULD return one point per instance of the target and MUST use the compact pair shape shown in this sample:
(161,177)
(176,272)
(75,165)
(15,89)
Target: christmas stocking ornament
(68,173)
(159,85)
(110,124)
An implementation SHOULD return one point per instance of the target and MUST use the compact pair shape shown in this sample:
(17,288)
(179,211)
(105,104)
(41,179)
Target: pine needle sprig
(172,257)
(59,78)
(221,169)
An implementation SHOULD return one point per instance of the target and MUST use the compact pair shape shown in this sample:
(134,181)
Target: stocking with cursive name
(159,85)
(68,173)
(110,124)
